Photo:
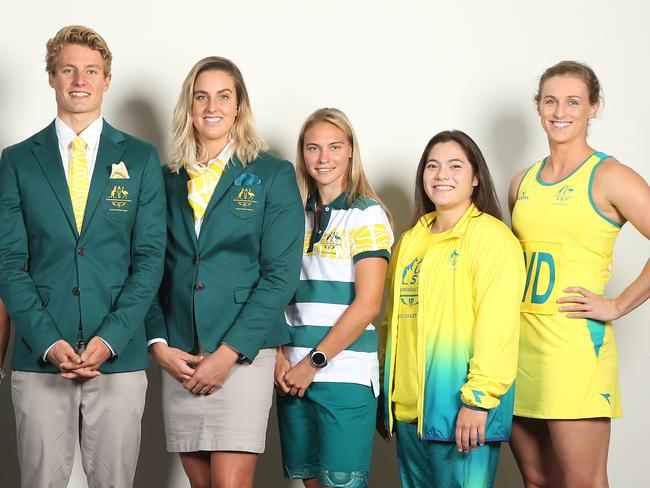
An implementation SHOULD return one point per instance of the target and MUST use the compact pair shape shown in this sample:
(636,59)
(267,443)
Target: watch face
(318,359)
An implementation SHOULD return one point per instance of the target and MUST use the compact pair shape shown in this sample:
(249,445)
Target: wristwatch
(317,358)
(2,374)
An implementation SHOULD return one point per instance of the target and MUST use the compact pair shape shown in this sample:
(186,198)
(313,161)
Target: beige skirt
(233,418)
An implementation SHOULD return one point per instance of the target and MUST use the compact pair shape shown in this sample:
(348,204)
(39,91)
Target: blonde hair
(186,147)
(356,182)
(76,34)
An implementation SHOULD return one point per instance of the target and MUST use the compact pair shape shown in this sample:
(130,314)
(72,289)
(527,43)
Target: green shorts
(432,463)
(328,434)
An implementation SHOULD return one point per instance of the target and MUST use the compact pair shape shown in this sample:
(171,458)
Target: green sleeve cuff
(379,253)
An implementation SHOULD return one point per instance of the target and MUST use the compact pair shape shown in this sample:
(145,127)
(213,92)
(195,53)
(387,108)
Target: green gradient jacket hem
(470,287)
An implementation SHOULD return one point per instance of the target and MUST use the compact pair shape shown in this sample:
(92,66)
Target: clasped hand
(84,365)
(293,381)
(201,375)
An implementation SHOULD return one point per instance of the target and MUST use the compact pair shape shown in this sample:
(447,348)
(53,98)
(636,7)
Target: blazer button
(195,260)
(76,291)
(81,251)
(199,286)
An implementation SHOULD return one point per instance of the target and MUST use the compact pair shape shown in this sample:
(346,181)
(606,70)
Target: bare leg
(581,447)
(197,468)
(531,445)
(233,469)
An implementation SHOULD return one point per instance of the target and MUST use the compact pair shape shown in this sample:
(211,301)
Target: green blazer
(233,283)
(52,279)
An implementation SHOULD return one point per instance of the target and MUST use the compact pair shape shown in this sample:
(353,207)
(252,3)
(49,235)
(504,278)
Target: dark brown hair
(484,195)
(572,68)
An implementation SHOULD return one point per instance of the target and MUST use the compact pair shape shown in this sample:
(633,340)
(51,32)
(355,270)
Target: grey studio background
(402,71)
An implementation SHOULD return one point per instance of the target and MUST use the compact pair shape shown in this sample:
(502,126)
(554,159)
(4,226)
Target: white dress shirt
(90,135)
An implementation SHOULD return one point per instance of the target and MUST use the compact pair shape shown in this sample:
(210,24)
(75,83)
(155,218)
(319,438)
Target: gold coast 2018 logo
(245,200)
(119,198)
(408,294)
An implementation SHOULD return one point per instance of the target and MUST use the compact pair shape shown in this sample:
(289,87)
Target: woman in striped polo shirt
(328,375)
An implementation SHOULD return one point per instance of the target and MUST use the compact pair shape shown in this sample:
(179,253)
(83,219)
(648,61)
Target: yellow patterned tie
(200,187)
(78,180)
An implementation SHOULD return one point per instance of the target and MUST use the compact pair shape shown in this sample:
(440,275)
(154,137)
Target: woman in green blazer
(235,238)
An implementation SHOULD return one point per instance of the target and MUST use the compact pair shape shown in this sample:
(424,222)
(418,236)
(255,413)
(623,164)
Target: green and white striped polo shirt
(345,234)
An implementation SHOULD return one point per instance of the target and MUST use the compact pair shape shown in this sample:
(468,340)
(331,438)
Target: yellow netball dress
(567,367)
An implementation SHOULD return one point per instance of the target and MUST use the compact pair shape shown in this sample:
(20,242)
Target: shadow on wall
(155,463)
(136,115)
(508,135)
(9,472)
(400,203)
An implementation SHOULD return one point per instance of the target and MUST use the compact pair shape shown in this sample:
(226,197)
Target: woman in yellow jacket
(452,323)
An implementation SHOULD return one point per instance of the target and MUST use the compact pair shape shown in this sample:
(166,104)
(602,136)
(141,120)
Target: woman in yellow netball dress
(567,210)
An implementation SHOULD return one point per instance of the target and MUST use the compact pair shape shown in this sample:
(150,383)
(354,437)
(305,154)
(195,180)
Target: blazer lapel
(49,158)
(109,152)
(186,209)
(233,169)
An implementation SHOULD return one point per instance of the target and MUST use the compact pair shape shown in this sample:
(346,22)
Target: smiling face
(327,153)
(214,109)
(564,109)
(79,82)
(448,177)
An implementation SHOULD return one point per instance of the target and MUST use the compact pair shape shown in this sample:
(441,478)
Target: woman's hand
(282,365)
(588,305)
(298,378)
(380,424)
(470,429)
(177,363)
(210,373)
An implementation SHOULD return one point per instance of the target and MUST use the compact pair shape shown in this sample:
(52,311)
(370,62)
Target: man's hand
(96,353)
(177,363)
(210,373)
(69,362)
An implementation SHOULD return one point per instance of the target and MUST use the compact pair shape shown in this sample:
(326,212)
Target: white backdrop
(402,72)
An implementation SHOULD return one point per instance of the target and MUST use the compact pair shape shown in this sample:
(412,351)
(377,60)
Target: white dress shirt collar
(90,134)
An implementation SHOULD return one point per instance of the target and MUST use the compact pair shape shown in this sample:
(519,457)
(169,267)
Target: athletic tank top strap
(530,174)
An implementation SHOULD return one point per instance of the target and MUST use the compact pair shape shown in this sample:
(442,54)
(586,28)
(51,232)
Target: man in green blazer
(82,239)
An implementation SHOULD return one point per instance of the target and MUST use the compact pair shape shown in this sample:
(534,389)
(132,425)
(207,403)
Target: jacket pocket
(44,292)
(119,200)
(246,201)
(113,294)
(242,294)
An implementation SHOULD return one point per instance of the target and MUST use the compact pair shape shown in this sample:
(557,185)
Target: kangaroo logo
(453,259)
(245,199)
(119,197)
(564,194)
(331,241)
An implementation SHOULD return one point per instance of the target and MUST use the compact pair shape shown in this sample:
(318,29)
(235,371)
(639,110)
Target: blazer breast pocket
(119,200)
(246,201)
